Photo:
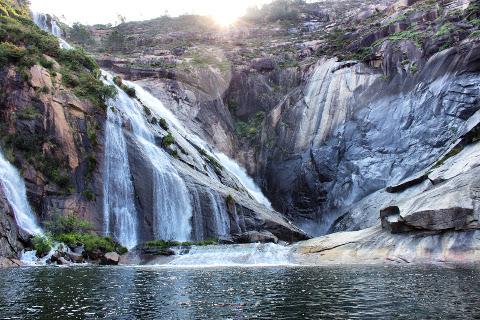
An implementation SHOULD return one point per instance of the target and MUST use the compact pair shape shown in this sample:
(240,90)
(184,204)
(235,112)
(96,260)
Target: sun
(226,13)
(225,19)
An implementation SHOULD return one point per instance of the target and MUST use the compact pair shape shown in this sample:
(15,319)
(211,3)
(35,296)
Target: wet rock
(75,257)
(12,239)
(63,261)
(111,258)
(8,263)
(255,237)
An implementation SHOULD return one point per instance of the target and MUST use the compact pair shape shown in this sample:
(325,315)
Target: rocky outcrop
(12,238)
(374,245)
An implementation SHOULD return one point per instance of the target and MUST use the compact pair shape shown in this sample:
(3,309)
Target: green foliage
(69,223)
(251,128)
(73,231)
(230,200)
(10,53)
(211,159)
(474,34)
(81,34)
(147,111)
(278,10)
(87,86)
(44,62)
(91,242)
(91,164)
(29,113)
(128,90)
(116,41)
(89,195)
(449,155)
(77,60)
(163,123)
(444,29)
(168,140)
(42,244)
(23,44)
(53,171)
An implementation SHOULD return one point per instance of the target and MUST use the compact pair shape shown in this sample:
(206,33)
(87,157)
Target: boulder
(256,236)
(263,64)
(75,257)
(111,258)
(63,262)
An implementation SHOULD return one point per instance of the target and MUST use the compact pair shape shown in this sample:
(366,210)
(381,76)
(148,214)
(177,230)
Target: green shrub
(168,140)
(474,34)
(29,113)
(91,242)
(47,64)
(163,124)
(89,195)
(42,244)
(230,200)
(444,29)
(70,223)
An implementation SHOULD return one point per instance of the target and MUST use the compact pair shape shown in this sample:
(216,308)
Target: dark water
(241,293)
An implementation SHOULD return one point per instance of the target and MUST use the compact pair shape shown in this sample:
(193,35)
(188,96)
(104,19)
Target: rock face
(12,239)
(333,132)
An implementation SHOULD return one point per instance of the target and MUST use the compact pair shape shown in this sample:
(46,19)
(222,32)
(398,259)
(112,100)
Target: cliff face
(55,113)
(323,109)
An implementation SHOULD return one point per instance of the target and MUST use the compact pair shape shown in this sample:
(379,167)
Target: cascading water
(16,194)
(256,254)
(232,166)
(119,213)
(246,181)
(172,208)
(172,205)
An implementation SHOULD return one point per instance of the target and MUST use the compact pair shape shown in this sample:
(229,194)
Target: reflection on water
(367,292)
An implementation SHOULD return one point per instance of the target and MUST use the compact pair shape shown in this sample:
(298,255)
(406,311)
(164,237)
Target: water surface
(357,292)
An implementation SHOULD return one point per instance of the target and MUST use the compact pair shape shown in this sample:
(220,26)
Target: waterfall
(246,181)
(232,166)
(172,203)
(257,254)
(16,194)
(48,24)
(220,216)
(172,208)
(119,211)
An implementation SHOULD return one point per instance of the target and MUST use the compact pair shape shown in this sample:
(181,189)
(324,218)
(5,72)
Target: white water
(119,213)
(16,194)
(244,178)
(42,22)
(256,254)
(172,209)
(220,216)
(232,166)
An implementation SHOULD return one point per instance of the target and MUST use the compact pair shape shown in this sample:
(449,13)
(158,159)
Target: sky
(107,11)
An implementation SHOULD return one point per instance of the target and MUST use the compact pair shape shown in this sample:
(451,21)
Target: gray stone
(256,236)
(111,258)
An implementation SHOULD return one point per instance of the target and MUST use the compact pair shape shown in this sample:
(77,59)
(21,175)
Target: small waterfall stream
(14,188)
(119,213)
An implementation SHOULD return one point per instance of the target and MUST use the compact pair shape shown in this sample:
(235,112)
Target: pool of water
(355,292)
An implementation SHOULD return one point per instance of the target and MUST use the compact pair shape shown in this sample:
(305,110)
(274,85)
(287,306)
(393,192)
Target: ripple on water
(360,292)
